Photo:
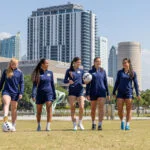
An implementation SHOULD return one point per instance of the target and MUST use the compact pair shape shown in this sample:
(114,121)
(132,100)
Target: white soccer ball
(87,77)
(7,127)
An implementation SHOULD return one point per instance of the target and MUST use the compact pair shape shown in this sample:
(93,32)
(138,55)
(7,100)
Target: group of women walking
(43,91)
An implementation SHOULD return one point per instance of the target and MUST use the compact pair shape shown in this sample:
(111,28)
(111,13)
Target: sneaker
(93,126)
(100,127)
(122,125)
(5,119)
(127,128)
(39,128)
(81,126)
(48,129)
(75,128)
(13,129)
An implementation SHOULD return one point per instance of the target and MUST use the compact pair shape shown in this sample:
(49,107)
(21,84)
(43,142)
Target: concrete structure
(130,50)
(62,32)
(103,52)
(27,67)
(10,47)
(112,63)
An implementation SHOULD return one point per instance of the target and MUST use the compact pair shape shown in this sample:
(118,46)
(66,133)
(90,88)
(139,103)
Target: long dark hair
(95,59)
(36,72)
(75,59)
(131,72)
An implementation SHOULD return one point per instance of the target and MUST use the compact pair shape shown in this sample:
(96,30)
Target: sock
(100,123)
(14,124)
(80,121)
(48,124)
(74,124)
(5,114)
(127,124)
(123,120)
(93,122)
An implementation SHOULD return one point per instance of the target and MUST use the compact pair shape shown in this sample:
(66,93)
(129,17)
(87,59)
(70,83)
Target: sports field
(63,138)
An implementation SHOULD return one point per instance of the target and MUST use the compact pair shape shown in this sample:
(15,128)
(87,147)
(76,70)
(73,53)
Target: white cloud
(145,69)
(4,35)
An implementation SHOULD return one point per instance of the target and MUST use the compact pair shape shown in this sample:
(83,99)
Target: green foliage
(28,88)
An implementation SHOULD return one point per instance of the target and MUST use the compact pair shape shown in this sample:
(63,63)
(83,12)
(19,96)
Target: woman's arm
(2,79)
(116,83)
(106,84)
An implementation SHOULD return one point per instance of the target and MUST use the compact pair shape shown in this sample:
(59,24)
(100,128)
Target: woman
(73,77)
(43,91)
(123,85)
(96,92)
(12,91)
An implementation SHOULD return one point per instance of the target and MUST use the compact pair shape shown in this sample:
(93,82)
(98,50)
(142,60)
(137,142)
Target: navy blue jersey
(14,84)
(123,83)
(98,86)
(45,85)
(77,77)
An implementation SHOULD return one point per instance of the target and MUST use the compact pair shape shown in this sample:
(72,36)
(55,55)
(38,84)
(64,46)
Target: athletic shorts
(44,97)
(14,97)
(95,97)
(124,96)
(76,92)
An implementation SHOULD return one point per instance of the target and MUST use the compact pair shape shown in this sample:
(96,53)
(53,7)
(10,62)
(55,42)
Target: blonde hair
(9,71)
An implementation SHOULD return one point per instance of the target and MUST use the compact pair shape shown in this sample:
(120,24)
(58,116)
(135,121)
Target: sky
(118,20)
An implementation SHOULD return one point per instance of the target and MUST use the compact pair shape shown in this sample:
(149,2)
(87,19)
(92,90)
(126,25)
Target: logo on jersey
(78,71)
(48,74)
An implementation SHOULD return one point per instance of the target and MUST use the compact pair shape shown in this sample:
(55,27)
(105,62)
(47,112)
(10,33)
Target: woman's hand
(71,82)
(20,96)
(108,98)
(139,97)
(86,82)
(114,96)
(33,99)
(88,98)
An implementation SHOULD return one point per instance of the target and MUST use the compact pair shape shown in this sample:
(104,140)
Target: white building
(62,32)
(103,52)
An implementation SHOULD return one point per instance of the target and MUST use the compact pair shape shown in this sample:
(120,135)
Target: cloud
(145,69)
(4,35)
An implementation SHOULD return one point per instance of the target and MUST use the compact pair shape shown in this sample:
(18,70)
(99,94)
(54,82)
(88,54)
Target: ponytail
(35,77)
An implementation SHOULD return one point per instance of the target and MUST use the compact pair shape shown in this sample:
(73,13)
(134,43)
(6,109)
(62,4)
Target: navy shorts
(14,97)
(95,97)
(124,96)
(76,92)
(44,97)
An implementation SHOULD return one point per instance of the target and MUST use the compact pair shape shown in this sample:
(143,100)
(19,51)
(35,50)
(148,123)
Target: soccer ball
(7,127)
(87,77)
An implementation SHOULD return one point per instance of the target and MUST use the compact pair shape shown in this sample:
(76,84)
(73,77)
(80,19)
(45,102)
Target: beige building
(130,50)
(58,68)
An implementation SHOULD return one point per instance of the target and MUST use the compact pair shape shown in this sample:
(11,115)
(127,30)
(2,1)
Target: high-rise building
(62,32)
(112,63)
(102,51)
(10,47)
(130,50)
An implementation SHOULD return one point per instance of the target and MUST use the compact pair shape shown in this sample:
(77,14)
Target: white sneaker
(13,129)
(75,127)
(81,126)
(48,129)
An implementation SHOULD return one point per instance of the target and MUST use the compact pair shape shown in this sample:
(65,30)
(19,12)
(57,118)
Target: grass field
(63,138)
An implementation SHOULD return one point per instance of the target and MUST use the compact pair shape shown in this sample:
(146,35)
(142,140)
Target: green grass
(63,138)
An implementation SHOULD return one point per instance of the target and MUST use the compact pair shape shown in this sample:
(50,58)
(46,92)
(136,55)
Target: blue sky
(118,20)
